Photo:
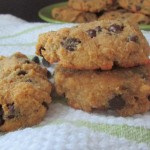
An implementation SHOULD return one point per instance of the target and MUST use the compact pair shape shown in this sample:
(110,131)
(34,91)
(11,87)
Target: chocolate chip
(11,109)
(45,62)
(41,49)
(45,105)
(133,38)
(49,75)
(1,121)
(11,116)
(1,115)
(98,70)
(115,65)
(91,33)
(36,59)
(138,8)
(98,29)
(141,22)
(1,110)
(148,97)
(21,72)
(70,43)
(28,80)
(117,102)
(136,98)
(115,28)
(27,62)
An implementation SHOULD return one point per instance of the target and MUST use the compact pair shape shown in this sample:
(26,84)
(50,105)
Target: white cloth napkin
(65,128)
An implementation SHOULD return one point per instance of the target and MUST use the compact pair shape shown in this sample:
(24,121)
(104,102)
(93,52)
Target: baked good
(90,5)
(94,45)
(24,92)
(142,6)
(122,14)
(126,91)
(114,6)
(68,14)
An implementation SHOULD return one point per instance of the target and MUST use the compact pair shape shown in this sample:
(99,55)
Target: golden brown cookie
(90,5)
(68,14)
(122,14)
(24,92)
(114,6)
(142,6)
(126,91)
(99,44)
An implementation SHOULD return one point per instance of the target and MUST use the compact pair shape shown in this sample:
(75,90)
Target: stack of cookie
(101,65)
(80,11)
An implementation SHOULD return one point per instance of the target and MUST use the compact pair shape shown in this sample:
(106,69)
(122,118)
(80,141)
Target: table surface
(25,9)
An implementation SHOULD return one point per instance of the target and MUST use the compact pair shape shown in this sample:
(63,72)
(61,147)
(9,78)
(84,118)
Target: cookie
(68,14)
(100,44)
(125,91)
(142,6)
(114,6)
(122,14)
(90,5)
(24,92)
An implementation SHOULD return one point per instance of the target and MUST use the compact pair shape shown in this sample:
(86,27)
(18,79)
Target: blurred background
(25,9)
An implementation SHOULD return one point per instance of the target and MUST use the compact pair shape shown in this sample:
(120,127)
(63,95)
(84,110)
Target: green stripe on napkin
(137,134)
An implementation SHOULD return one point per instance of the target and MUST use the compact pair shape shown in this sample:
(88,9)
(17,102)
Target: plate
(46,15)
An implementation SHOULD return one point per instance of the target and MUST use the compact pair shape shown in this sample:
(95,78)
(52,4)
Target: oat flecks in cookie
(121,90)
(24,91)
(96,45)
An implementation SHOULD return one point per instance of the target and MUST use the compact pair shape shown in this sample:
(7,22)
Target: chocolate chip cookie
(68,14)
(114,6)
(142,6)
(24,92)
(90,5)
(122,14)
(100,44)
(126,91)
